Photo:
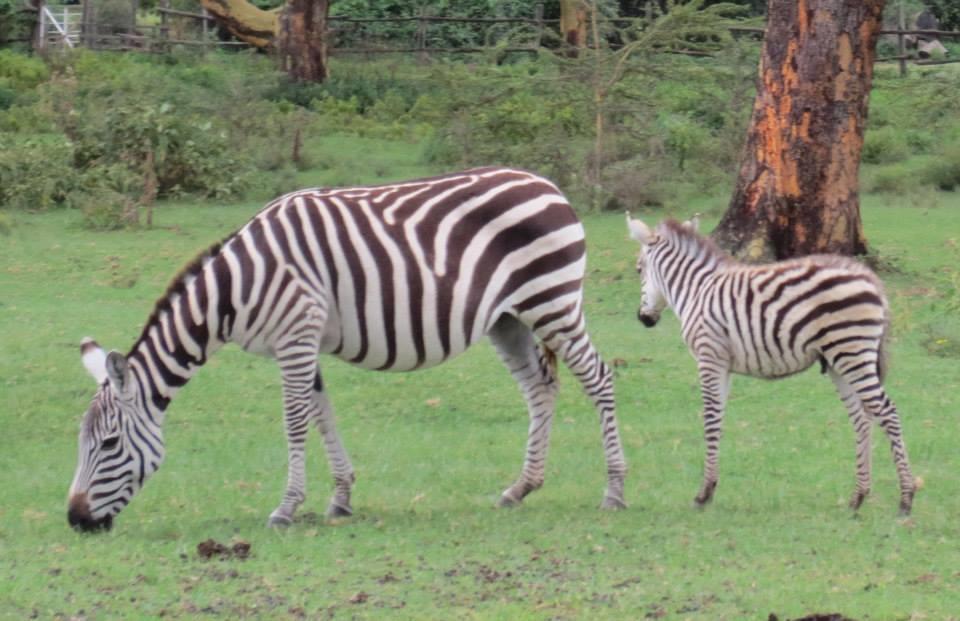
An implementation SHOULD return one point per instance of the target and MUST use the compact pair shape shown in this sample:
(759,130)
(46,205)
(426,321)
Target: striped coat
(772,321)
(393,277)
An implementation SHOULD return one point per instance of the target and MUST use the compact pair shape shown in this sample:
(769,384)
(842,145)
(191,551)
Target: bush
(900,178)
(885,145)
(944,170)
(37,174)
(191,154)
(19,74)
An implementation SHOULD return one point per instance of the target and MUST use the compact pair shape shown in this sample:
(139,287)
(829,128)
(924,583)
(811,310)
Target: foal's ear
(94,359)
(639,231)
(693,223)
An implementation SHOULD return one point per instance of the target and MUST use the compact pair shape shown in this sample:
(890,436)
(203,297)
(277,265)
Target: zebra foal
(772,321)
(394,277)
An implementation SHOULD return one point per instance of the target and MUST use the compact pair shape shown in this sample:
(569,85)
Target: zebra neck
(178,338)
(686,278)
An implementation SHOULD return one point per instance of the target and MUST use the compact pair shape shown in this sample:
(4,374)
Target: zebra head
(652,300)
(119,444)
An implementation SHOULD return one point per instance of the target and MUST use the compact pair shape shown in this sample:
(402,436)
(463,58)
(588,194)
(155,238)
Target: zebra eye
(110,443)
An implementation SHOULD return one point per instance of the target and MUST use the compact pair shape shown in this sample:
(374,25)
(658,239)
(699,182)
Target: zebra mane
(692,241)
(178,285)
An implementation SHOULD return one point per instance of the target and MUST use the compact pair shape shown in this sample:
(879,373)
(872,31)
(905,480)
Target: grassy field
(434,449)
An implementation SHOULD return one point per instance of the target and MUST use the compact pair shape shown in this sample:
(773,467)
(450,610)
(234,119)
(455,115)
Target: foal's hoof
(338,511)
(705,495)
(613,503)
(279,521)
(906,505)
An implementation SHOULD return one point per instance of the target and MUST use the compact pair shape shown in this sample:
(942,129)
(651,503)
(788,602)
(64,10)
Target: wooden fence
(65,25)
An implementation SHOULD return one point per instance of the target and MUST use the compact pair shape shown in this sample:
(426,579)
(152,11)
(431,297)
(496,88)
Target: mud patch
(212,548)
(817,616)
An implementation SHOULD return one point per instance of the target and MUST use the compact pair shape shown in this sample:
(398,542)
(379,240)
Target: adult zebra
(772,321)
(393,278)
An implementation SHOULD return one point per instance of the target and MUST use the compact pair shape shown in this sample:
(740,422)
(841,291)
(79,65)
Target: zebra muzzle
(79,517)
(647,320)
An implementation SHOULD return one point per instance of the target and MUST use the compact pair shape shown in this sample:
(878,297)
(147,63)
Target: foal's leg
(340,466)
(862,425)
(573,346)
(714,388)
(535,371)
(860,370)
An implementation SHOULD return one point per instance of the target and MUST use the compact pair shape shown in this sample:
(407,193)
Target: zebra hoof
(279,521)
(857,500)
(508,502)
(612,503)
(338,511)
(705,495)
(906,506)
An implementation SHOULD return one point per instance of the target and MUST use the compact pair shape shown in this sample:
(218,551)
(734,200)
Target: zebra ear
(638,230)
(93,359)
(693,223)
(118,371)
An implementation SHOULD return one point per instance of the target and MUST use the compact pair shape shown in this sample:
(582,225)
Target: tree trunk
(244,21)
(302,39)
(573,25)
(797,189)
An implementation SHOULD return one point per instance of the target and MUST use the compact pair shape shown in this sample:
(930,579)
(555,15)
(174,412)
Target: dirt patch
(817,616)
(212,548)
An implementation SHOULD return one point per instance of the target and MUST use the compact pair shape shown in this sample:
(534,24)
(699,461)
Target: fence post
(206,29)
(41,32)
(421,36)
(164,25)
(538,16)
(87,23)
(901,47)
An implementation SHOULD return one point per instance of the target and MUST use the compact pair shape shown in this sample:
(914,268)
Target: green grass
(434,449)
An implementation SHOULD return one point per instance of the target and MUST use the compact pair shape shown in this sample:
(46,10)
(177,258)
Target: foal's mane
(690,239)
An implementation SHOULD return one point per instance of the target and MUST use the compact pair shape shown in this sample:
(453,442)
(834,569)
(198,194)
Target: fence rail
(64,25)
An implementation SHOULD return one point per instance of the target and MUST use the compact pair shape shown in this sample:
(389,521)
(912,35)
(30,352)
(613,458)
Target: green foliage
(15,22)
(19,75)
(885,145)
(37,174)
(944,169)
(191,154)
(22,72)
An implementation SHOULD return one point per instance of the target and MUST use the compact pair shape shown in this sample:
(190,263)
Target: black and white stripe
(772,321)
(394,277)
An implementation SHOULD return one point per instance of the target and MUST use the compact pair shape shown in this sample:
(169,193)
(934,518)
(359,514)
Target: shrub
(21,72)
(37,174)
(944,169)
(885,145)
(900,178)
(190,154)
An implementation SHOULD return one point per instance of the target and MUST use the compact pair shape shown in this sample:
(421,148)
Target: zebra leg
(862,425)
(882,409)
(340,466)
(534,370)
(296,354)
(714,388)
(596,378)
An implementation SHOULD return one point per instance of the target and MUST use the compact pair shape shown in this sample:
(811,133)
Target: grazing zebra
(394,277)
(772,321)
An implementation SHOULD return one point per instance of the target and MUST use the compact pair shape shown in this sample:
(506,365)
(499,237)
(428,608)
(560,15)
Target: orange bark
(797,189)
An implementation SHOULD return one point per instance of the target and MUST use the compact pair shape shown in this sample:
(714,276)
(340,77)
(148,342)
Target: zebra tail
(548,359)
(883,362)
